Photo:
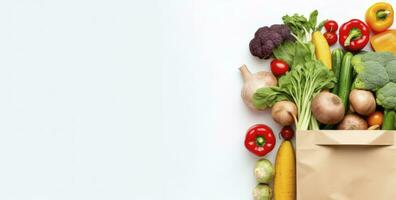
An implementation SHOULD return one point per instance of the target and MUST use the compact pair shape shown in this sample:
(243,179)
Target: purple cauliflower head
(283,30)
(267,38)
(261,48)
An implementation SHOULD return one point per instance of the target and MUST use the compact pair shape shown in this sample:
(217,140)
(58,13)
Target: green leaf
(320,26)
(267,97)
(285,52)
(295,53)
(301,26)
(297,24)
(304,52)
(285,81)
(313,18)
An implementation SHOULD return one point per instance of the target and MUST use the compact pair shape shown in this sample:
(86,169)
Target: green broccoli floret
(386,96)
(376,71)
(381,57)
(357,63)
(391,70)
(371,76)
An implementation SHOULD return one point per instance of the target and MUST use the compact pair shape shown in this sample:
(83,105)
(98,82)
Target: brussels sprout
(264,171)
(262,192)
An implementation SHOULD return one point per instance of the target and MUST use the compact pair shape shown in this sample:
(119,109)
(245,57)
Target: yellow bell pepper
(385,41)
(379,16)
(322,48)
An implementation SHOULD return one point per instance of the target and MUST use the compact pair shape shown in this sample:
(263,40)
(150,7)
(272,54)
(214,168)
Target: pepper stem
(260,141)
(382,14)
(353,34)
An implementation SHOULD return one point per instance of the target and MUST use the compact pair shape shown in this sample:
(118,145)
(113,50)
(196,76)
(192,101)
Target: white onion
(253,82)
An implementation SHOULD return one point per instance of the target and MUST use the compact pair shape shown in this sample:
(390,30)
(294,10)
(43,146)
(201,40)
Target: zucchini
(345,80)
(389,120)
(336,57)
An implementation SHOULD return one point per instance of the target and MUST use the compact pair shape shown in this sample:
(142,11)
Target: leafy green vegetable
(299,85)
(313,18)
(302,50)
(298,24)
(295,53)
(266,97)
(286,52)
(302,27)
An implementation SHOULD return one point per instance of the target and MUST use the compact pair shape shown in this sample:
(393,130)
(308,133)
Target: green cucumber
(345,80)
(389,120)
(336,60)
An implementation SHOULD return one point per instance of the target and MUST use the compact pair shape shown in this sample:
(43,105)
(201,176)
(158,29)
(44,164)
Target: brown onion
(362,102)
(327,108)
(283,112)
(352,122)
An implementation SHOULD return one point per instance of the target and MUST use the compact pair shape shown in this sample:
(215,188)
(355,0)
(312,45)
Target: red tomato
(331,26)
(331,37)
(279,67)
(287,133)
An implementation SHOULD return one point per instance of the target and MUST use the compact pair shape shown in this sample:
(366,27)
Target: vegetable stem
(382,14)
(246,74)
(260,141)
(353,34)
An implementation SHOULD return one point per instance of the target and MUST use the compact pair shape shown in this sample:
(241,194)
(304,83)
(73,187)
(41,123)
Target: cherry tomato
(287,133)
(331,37)
(279,67)
(375,118)
(331,26)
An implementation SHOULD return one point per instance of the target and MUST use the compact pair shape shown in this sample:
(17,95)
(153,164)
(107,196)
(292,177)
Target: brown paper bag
(346,165)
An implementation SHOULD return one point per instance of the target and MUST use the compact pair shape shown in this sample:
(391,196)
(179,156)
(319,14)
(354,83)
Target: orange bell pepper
(380,16)
(385,41)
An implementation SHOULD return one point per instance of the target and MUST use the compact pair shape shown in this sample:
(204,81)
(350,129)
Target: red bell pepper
(260,140)
(354,35)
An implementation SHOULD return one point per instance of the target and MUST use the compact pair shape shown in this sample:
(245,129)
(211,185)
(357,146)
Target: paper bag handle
(347,137)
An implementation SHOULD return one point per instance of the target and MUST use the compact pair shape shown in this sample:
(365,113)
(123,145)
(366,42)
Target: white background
(132,100)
